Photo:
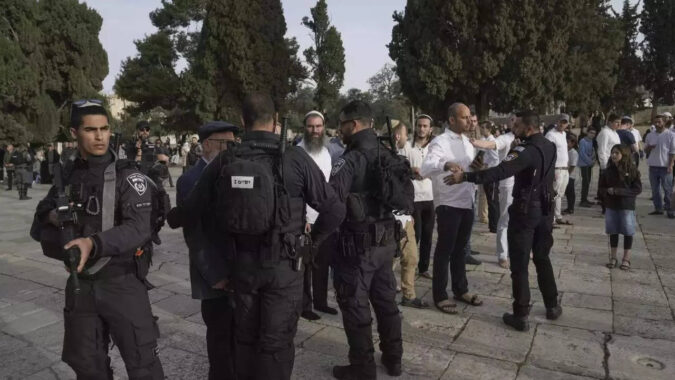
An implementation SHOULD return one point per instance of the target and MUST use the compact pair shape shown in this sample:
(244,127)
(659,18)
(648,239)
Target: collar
(260,136)
(105,159)
(453,135)
(366,139)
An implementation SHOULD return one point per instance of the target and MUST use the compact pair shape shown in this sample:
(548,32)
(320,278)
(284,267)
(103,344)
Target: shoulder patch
(337,166)
(512,156)
(138,183)
(519,148)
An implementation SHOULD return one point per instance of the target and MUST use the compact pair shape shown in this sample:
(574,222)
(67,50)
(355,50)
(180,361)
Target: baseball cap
(565,117)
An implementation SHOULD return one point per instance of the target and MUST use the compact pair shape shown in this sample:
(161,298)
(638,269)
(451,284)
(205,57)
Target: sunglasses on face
(82,103)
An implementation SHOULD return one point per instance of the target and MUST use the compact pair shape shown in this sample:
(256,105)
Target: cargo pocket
(146,344)
(84,348)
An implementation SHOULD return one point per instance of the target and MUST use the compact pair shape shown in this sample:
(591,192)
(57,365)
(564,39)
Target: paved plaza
(615,325)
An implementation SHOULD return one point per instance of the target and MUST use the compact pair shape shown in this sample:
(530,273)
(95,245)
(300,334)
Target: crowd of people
(265,224)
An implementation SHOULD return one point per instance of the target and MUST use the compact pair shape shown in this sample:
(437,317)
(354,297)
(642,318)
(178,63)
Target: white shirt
(574,160)
(415,155)
(664,146)
(323,161)
(636,135)
(606,139)
(491,158)
(560,141)
(455,148)
(503,147)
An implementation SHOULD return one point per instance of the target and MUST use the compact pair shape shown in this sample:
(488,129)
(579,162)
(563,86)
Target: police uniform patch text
(338,165)
(242,182)
(512,156)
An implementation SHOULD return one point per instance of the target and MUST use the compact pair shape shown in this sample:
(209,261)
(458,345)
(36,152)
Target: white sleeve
(501,142)
(434,162)
(603,154)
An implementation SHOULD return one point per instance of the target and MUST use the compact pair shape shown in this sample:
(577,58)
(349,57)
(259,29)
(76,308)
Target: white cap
(667,114)
(314,113)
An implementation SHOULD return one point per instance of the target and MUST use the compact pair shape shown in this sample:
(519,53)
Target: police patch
(519,148)
(338,165)
(512,156)
(138,182)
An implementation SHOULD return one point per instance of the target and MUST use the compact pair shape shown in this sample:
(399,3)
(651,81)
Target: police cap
(212,127)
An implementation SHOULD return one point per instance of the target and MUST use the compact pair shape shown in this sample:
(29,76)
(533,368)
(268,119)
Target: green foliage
(630,75)
(659,49)
(326,58)
(49,55)
(242,49)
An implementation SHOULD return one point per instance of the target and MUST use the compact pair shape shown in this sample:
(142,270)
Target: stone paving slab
(615,325)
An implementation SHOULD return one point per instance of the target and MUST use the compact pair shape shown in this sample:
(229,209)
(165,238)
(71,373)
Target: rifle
(67,223)
(392,143)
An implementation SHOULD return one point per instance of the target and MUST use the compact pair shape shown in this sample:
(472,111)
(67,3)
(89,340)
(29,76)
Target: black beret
(212,127)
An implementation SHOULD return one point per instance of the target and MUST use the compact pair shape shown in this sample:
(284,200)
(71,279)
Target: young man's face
(615,124)
(591,134)
(93,135)
(423,127)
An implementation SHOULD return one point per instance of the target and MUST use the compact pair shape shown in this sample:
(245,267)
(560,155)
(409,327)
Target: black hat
(142,125)
(212,127)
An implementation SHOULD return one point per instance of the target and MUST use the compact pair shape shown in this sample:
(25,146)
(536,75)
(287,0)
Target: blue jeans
(660,178)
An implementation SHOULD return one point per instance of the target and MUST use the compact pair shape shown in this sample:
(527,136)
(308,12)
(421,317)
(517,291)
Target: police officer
(142,150)
(22,162)
(362,266)
(207,267)
(266,276)
(114,226)
(530,215)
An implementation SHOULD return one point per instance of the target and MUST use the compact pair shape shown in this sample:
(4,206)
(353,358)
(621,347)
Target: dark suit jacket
(207,265)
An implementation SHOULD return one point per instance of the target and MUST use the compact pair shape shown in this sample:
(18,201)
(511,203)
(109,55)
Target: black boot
(353,372)
(553,313)
(518,323)
(393,366)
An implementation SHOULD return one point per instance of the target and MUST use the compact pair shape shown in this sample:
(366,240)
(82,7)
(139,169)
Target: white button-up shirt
(503,143)
(323,161)
(663,145)
(455,148)
(416,155)
(606,139)
(560,141)
(491,158)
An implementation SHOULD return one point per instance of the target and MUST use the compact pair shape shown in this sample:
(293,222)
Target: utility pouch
(356,208)
(399,235)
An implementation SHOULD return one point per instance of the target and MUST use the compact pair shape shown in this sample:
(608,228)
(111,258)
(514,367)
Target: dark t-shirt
(626,136)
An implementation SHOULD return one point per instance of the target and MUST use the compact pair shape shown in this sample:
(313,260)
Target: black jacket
(625,189)
(132,211)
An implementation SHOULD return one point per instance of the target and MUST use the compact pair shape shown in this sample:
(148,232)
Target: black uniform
(267,289)
(147,154)
(363,263)
(23,171)
(113,302)
(530,217)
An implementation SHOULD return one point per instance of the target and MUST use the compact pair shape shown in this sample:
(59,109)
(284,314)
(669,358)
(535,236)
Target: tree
(387,98)
(494,54)
(326,58)
(51,55)
(592,59)
(630,75)
(659,49)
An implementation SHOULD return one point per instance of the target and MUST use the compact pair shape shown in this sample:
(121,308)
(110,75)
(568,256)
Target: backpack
(393,181)
(252,198)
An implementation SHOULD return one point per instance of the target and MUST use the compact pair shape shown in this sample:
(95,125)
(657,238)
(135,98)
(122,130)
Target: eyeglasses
(346,121)
(82,103)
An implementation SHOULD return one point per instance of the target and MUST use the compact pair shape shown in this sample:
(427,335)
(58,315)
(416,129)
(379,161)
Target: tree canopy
(659,49)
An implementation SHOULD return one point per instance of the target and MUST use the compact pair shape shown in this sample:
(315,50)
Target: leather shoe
(393,367)
(310,315)
(326,309)
(518,323)
(352,372)
(473,261)
(553,313)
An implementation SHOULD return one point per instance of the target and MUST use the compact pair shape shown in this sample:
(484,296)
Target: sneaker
(656,212)
(417,303)
(553,313)
(473,261)
(426,275)
(518,323)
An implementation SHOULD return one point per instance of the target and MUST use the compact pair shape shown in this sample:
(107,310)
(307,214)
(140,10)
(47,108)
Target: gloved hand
(173,218)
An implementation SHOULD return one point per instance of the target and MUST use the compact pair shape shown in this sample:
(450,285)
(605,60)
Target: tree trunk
(482,106)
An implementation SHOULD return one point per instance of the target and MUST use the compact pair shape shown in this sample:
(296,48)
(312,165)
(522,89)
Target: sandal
(472,300)
(625,265)
(447,307)
(612,263)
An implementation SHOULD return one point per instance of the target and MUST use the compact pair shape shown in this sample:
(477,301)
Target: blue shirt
(586,153)
(626,136)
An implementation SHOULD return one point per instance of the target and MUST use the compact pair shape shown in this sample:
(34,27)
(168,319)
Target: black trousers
(359,283)
(586,173)
(10,179)
(454,230)
(492,195)
(315,282)
(268,302)
(425,218)
(570,194)
(117,308)
(531,232)
(218,315)
(600,196)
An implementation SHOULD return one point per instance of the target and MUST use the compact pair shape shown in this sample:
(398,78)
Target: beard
(313,144)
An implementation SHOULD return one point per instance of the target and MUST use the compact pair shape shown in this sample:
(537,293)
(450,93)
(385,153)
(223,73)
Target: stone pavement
(615,325)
